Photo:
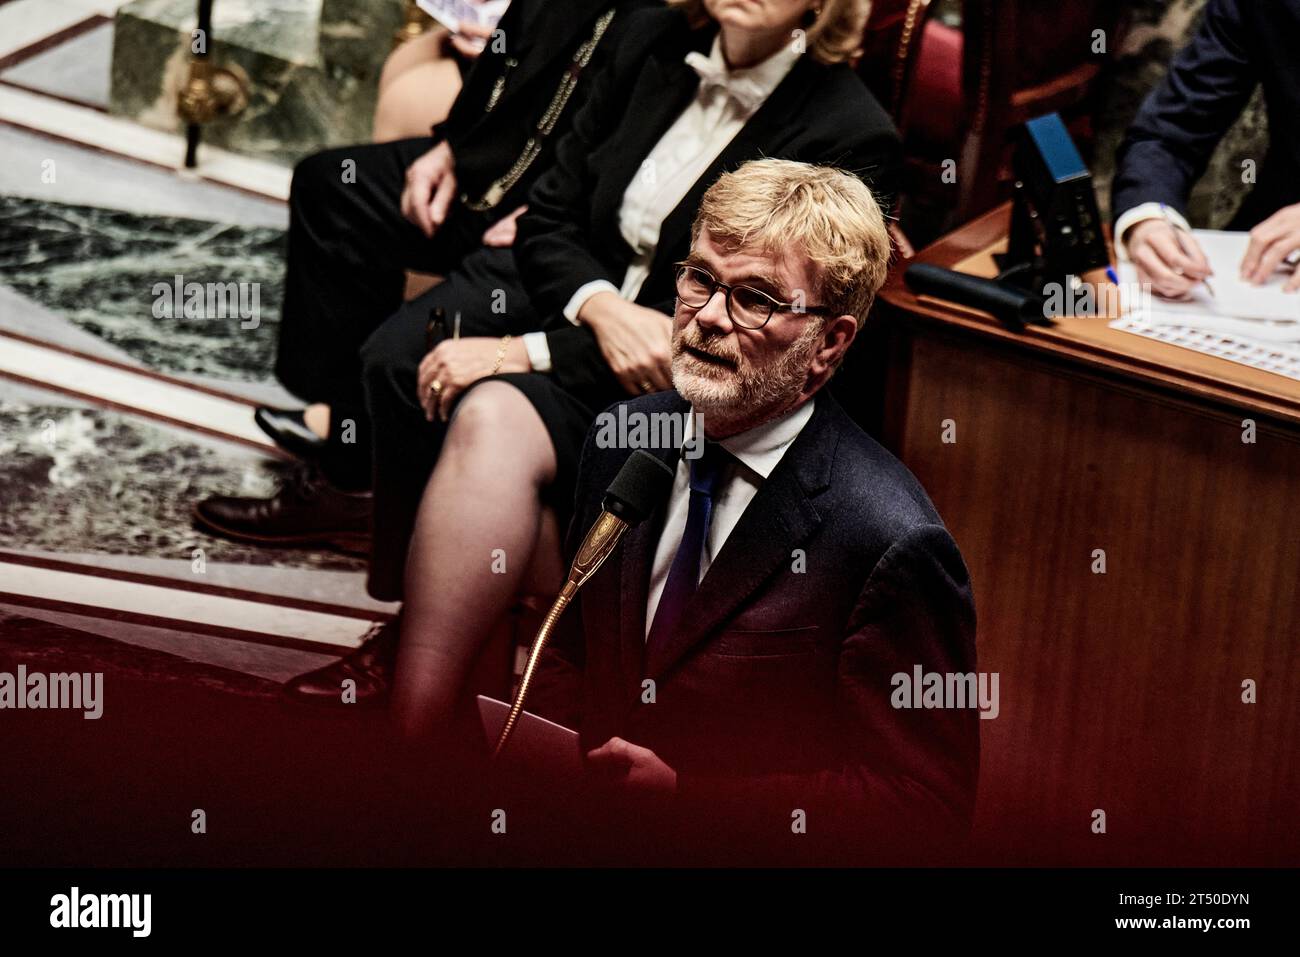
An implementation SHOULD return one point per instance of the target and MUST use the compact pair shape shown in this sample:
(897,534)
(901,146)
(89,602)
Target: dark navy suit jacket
(1240,45)
(778,688)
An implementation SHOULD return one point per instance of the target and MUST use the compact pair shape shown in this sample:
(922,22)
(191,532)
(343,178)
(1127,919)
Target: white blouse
(723,104)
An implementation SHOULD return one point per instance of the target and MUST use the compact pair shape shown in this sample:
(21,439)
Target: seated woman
(693,91)
(421,79)
(418,85)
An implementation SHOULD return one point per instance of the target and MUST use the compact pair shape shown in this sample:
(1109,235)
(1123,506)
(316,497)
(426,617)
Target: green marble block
(313,69)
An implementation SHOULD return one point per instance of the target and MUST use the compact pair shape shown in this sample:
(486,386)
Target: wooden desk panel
(1120,691)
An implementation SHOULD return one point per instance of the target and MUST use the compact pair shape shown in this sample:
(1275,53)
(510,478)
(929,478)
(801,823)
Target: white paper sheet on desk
(1267,309)
(1254,325)
(536,745)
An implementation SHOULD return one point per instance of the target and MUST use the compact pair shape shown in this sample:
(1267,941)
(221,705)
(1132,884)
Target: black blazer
(1239,45)
(570,234)
(540,37)
(779,686)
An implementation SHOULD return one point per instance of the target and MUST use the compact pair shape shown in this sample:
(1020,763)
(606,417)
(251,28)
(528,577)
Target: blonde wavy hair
(776,205)
(834,36)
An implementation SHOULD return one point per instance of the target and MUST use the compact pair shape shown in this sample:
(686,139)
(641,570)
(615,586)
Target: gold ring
(647,387)
(436,387)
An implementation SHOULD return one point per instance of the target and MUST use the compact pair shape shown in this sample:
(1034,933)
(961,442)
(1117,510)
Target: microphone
(1011,305)
(639,486)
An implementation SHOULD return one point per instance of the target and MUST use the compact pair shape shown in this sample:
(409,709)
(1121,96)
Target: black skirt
(567,419)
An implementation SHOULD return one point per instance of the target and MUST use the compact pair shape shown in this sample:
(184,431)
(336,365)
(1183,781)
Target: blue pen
(1113,276)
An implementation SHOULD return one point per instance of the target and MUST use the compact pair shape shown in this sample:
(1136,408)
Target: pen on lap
(436,328)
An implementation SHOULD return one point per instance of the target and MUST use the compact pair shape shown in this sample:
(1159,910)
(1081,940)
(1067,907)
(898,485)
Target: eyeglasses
(749,308)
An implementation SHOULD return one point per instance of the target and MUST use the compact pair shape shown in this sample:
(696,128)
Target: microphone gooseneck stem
(534,655)
(600,541)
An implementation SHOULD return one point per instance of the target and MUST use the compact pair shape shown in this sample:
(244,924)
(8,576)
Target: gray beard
(749,392)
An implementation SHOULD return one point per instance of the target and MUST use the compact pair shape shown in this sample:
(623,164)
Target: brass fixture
(212,92)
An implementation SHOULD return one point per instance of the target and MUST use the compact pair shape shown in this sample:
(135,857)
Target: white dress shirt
(1141,213)
(757,452)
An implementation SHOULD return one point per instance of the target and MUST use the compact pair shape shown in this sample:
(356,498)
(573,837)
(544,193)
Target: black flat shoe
(370,668)
(288,429)
(307,510)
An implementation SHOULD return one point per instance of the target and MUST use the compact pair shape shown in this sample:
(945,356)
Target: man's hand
(632,766)
(1271,242)
(470,39)
(635,341)
(456,364)
(1172,263)
(430,188)
(502,233)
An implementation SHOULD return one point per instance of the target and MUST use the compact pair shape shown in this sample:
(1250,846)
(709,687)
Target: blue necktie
(684,573)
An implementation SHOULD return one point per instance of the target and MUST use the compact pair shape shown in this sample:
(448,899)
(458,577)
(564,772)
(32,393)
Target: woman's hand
(502,233)
(430,188)
(456,364)
(470,39)
(635,341)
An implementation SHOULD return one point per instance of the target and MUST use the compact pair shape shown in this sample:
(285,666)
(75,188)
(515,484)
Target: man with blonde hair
(742,650)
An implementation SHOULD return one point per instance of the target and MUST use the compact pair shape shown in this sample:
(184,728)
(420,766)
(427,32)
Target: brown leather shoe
(370,667)
(307,510)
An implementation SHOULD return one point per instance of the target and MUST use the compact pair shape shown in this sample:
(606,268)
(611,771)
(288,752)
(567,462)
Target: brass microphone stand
(600,541)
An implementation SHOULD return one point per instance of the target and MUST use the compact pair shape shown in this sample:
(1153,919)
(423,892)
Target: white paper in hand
(536,745)
(452,13)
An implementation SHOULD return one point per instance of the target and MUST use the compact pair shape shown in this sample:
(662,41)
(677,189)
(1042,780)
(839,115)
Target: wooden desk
(1121,690)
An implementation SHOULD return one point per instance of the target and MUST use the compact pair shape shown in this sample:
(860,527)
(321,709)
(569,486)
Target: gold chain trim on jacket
(533,148)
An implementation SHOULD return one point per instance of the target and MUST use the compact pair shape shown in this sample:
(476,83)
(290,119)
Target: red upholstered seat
(932,107)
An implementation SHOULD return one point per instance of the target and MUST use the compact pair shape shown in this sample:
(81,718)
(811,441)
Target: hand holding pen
(1167,256)
(1197,259)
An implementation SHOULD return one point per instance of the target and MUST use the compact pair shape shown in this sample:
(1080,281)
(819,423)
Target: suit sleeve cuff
(585,292)
(1141,213)
(539,352)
